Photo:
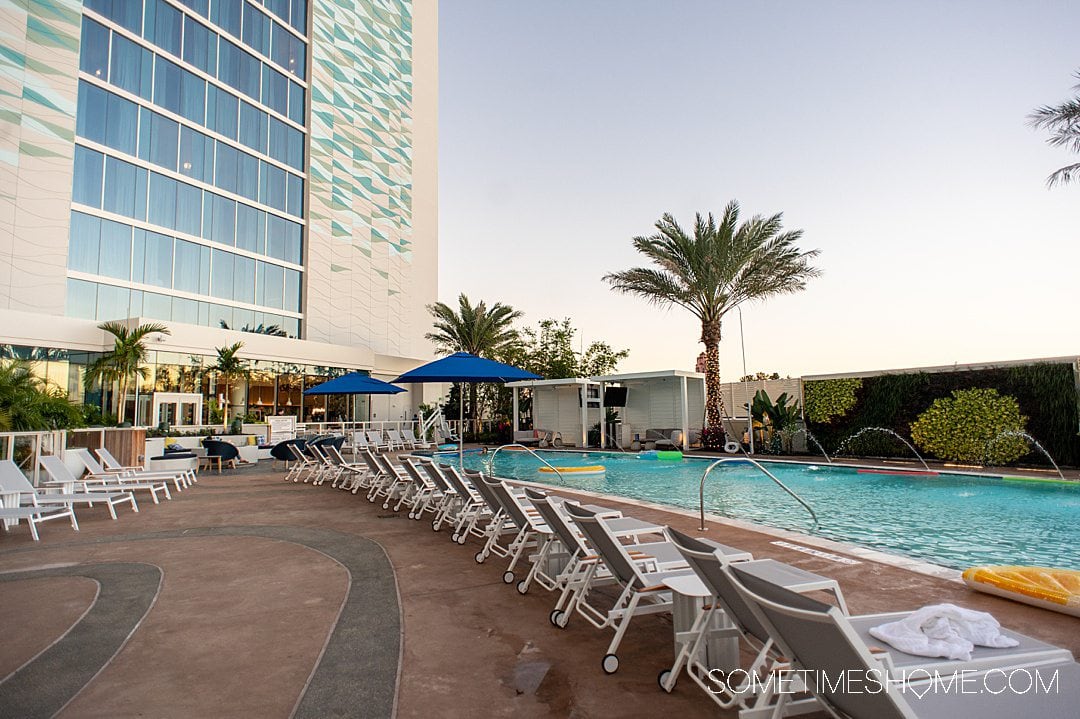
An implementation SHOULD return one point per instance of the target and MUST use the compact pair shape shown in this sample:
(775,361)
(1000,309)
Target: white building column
(584,416)
(515,410)
(685,414)
(603,418)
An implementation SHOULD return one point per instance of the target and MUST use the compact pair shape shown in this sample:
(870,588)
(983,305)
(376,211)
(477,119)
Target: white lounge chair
(13,481)
(410,436)
(395,441)
(12,511)
(376,441)
(112,464)
(62,477)
(179,479)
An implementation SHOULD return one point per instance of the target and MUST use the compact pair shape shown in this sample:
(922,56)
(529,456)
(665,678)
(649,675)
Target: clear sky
(892,133)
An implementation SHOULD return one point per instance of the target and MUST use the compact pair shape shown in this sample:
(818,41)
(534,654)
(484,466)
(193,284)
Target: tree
(27,403)
(717,269)
(125,361)
(229,368)
(1063,122)
(973,425)
(759,377)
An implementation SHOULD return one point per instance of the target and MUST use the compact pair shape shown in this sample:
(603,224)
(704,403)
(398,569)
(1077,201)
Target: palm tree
(1063,122)
(125,361)
(475,329)
(230,368)
(715,271)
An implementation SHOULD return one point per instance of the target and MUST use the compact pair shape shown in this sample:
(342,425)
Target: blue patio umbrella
(354,383)
(463,367)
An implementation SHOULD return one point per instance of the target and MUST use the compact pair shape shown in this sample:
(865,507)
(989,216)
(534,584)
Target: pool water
(955,520)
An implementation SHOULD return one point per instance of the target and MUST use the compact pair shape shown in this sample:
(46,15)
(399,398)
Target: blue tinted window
(86,188)
(296,103)
(132,67)
(271,284)
(226,13)
(196,155)
(253,124)
(188,208)
(247,176)
(81,299)
(243,279)
(162,203)
(292,290)
(120,187)
(141,180)
(92,112)
(275,236)
(192,97)
(272,189)
(185,310)
(279,8)
(229,63)
(115,258)
(125,13)
(200,46)
(221,316)
(167,85)
(138,254)
(281,47)
(279,140)
(94,49)
(250,75)
(163,23)
(221,275)
(298,16)
(189,267)
(275,90)
(155,306)
(250,228)
(225,167)
(221,111)
(158,260)
(84,243)
(294,148)
(113,303)
(223,221)
(122,124)
(158,140)
(294,244)
(256,30)
(200,6)
(294,200)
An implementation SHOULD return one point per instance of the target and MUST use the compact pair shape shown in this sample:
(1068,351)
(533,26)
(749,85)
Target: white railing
(26,448)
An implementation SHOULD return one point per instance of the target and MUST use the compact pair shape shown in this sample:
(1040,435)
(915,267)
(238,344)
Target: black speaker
(615,396)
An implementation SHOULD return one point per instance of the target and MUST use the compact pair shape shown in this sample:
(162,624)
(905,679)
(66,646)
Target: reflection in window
(296,103)
(200,46)
(275,90)
(92,112)
(256,29)
(158,139)
(94,49)
(226,13)
(122,124)
(196,155)
(86,187)
(155,306)
(132,66)
(120,186)
(162,25)
(113,303)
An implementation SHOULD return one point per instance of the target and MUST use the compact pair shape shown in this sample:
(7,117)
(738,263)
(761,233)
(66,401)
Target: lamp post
(746,388)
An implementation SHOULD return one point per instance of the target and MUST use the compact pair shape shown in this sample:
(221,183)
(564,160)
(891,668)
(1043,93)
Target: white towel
(943,630)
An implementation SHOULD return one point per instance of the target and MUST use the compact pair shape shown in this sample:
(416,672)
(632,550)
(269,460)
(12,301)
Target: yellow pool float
(586,470)
(1055,589)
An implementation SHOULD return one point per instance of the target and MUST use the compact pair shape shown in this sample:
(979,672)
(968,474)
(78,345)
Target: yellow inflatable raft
(577,471)
(1054,589)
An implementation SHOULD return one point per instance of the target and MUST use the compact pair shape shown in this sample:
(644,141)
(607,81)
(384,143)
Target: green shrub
(965,427)
(830,398)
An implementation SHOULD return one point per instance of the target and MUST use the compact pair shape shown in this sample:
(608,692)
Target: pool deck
(249,596)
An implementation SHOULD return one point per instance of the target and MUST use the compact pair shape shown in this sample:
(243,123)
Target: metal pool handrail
(770,475)
(491,459)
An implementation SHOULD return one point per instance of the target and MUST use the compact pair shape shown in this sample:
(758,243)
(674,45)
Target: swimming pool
(955,520)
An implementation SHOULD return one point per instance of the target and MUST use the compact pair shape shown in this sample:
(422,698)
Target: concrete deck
(248,596)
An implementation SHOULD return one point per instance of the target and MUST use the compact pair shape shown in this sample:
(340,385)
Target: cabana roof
(553,382)
(658,374)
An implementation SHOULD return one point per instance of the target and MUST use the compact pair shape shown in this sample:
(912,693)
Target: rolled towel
(943,630)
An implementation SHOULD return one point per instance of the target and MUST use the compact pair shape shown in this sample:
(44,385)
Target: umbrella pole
(461,425)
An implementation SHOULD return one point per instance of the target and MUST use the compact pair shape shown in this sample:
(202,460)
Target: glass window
(225,167)
(120,187)
(141,179)
(113,303)
(188,208)
(272,186)
(243,279)
(200,6)
(196,155)
(275,236)
(296,103)
(122,124)
(185,311)
(192,97)
(191,267)
(157,307)
(163,23)
(279,140)
(229,63)
(298,16)
(281,46)
(250,75)
(256,30)
(221,111)
(138,254)
(294,242)
(275,92)
(271,284)
(131,67)
(294,200)
(223,221)
(84,243)
(94,49)
(247,176)
(220,316)
(89,165)
(294,149)
(253,124)
(250,228)
(221,276)
(158,260)
(126,14)
(162,200)
(92,112)
(115,260)
(279,8)
(200,46)
(167,85)
(226,13)
(81,299)
(292,290)
(158,141)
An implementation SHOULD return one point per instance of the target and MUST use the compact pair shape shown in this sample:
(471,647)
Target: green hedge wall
(1046,393)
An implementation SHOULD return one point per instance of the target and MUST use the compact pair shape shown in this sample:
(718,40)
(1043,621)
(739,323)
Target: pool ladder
(770,475)
(490,461)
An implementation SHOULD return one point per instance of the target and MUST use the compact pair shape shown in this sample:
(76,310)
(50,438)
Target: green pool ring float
(669,455)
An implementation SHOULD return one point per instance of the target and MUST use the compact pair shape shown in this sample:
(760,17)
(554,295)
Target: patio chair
(98,469)
(62,477)
(395,440)
(417,442)
(820,640)
(305,464)
(35,514)
(226,452)
(392,481)
(451,501)
(532,530)
(14,482)
(373,474)
(423,495)
(348,473)
(376,441)
(111,464)
(473,508)
(357,443)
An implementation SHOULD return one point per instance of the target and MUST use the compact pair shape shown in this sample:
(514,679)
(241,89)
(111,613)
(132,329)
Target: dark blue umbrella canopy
(464,367)
(355,383)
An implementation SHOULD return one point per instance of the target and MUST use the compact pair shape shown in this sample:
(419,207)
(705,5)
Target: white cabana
(666,399)
(568,406)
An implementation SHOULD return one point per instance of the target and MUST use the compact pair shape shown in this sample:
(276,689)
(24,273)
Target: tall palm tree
(713,272)
(475,329)
(230,368)
(1063,122)
(126,360)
